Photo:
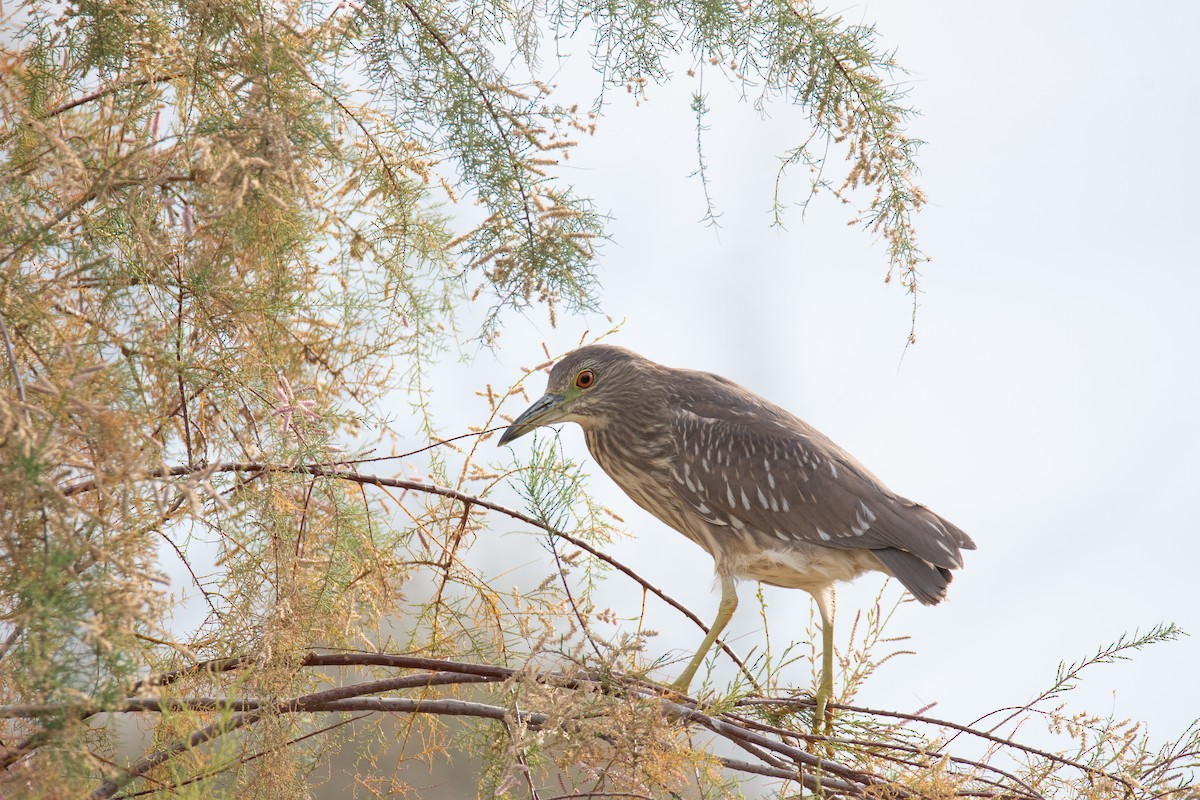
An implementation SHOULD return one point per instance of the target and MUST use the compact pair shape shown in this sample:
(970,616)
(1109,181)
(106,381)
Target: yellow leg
(724,614)
(821,713)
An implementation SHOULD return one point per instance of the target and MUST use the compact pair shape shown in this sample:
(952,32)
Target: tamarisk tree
(229,230)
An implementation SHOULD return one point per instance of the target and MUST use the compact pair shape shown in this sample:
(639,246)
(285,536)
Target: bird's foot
(675,701)
(677,687)
(822,725)
(822,717)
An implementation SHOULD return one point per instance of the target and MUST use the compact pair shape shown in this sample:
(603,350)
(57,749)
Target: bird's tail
(926,582)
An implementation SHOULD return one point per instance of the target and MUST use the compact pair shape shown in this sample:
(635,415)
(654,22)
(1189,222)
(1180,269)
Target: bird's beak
(548,409)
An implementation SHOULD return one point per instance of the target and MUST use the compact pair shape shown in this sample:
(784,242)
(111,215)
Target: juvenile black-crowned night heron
(768,496)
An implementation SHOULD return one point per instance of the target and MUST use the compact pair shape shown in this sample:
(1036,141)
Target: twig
(880,744)
(10,640)
(107,90)
(562,578)
(183,400)
(12,365)
(144,765)
(513,161)
(242,761)
(213,666)
(757,701)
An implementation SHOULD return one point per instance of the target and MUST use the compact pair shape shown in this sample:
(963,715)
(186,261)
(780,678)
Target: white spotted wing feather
(754,469)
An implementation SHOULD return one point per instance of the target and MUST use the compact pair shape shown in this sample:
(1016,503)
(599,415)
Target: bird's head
(590,386)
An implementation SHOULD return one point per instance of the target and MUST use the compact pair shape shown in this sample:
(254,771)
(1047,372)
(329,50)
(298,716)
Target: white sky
(1050,406)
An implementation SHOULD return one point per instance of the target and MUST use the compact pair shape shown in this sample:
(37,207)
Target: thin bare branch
(335,472)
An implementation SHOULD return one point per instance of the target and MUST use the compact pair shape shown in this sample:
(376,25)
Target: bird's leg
(725,611)
(822,715)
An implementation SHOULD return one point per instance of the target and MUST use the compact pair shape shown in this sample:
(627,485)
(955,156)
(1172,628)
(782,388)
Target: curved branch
(334,471)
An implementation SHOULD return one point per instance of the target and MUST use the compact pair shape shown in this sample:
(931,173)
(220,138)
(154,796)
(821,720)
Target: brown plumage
(767,495)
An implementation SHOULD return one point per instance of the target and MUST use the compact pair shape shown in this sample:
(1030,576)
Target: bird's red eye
(585,379)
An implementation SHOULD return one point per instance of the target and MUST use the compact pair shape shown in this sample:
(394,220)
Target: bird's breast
(643,471)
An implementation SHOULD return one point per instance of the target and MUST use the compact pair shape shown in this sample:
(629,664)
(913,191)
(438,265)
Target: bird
(769,497)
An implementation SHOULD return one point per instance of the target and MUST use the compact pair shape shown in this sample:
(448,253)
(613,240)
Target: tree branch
(768,744)
(335,471)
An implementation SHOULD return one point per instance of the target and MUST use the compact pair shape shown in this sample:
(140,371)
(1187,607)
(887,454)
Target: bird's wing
(774,473)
